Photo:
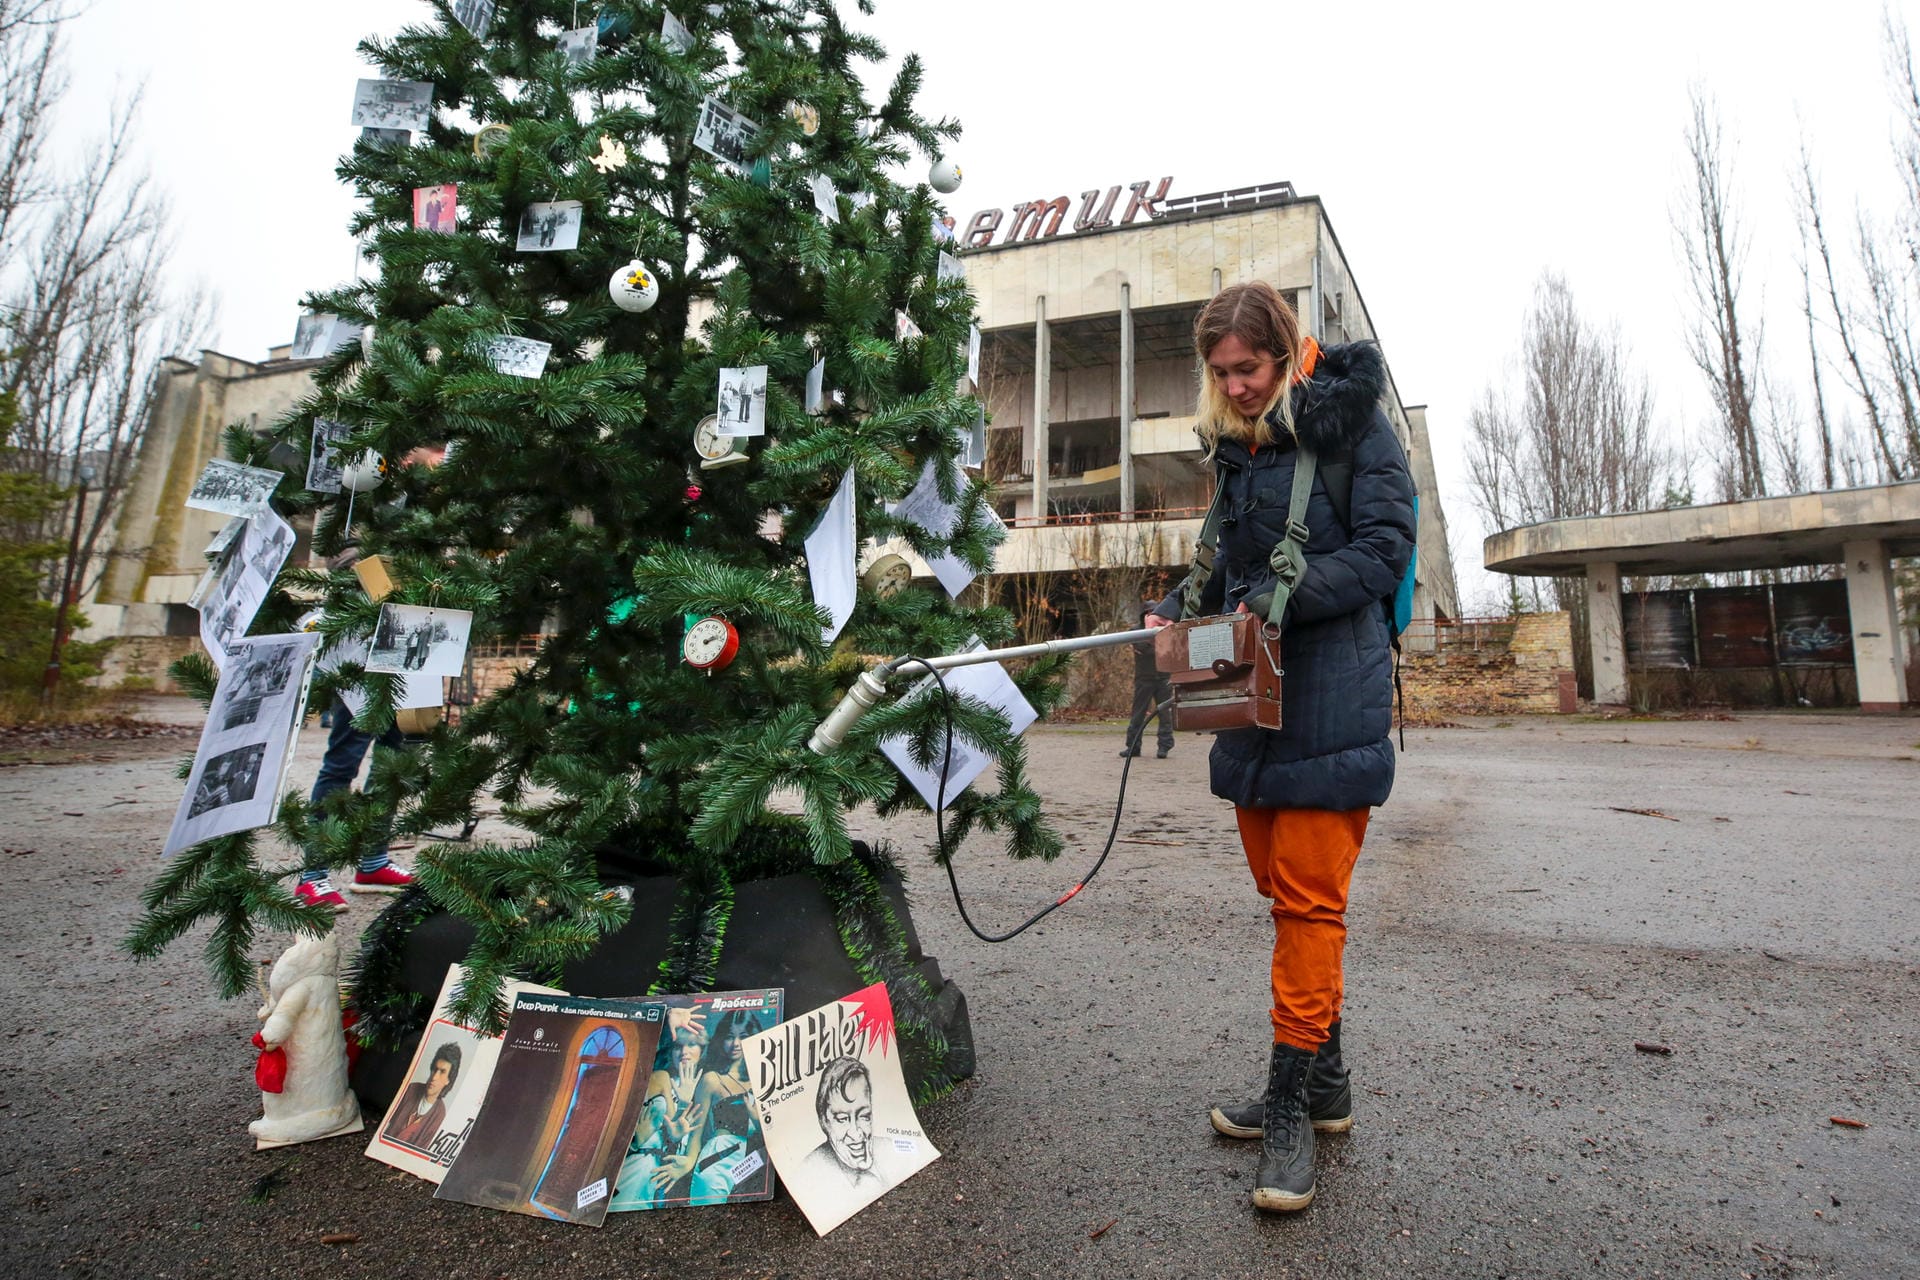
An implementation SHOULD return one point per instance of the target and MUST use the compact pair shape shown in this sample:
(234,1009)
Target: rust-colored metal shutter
(1659,630)
(1735,627)
(1815,624)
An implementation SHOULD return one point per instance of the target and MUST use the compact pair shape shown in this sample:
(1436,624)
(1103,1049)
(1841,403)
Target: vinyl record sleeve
(560,1109)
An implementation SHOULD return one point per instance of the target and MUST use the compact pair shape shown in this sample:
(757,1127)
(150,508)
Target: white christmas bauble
(944,177)
(364,472)
(634,287)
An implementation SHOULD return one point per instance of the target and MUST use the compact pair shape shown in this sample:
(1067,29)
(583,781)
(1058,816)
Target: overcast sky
(1460,149)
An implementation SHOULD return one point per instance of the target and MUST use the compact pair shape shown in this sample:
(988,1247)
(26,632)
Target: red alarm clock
(710,644)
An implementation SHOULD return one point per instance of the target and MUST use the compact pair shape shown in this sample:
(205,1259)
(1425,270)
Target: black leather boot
(1329,1098)
(1284,1183)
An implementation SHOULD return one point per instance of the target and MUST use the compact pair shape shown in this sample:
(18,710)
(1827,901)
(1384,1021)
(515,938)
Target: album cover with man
(840,1125)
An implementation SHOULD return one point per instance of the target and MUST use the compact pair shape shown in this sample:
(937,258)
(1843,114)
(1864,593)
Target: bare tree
(1577,438)
(1714,248)
(85,312)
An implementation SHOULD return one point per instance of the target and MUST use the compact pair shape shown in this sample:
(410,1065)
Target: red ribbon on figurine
(270,1071)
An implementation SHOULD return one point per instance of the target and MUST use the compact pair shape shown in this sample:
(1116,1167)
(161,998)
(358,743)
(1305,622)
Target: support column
(1042,399)
(1126,402)
(1879,657)
(1606,634)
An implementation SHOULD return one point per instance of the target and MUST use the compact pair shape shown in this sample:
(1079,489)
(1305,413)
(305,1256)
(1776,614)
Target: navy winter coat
(1333,750)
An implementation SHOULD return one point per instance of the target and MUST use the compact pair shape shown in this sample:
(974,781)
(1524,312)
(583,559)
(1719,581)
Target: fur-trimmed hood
(1333,408)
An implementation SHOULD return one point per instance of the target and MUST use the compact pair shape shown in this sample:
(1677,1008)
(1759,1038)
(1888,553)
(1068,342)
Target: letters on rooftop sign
(1041,219)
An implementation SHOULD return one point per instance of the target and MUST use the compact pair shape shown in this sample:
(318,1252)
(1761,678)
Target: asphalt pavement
(1608,986)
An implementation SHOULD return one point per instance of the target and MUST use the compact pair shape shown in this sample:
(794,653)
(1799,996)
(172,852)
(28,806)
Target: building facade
(1089,374)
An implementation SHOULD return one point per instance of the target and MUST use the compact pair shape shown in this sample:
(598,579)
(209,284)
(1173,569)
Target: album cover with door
(561,1108)
(699,1139)
(433,1113)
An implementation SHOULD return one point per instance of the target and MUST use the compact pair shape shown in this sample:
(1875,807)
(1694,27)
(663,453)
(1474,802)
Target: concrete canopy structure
(1861,529)
(1090,378)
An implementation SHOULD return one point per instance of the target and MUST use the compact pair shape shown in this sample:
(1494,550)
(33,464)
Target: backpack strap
(1289,557)
(1203,548)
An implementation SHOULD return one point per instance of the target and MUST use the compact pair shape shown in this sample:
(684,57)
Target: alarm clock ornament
(944,177)
(634,287)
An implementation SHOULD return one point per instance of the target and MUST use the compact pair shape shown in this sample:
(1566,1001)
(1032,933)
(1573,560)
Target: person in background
(1302,793)
(1151,690)
(347,749)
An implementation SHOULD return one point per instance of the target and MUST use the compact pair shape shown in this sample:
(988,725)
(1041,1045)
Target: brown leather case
(1225,672)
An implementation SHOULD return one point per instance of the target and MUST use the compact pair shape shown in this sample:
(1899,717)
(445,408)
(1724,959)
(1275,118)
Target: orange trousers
(1302,861)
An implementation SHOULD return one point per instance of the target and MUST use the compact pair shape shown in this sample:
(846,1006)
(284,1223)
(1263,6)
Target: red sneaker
(320,893)
(388,879)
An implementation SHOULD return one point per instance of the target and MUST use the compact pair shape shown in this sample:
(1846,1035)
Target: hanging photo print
(434,208)
(743,401)
(317,335)
(520,357)
(949,268)
(973,449)
(924,506)
(561,1108)
(825,198)
(986,682)
(219,551)
(550,227)
(414,639)
(385,137)
(699,1139)
(832,553)
(817,387)
(973,356)
(235,782)
(674,33)
(724,133)
(250,564)
(393,104)
(232,488)
(579,45)
(475,15)
(840,1124)
(323,457)
(431,1115)
(904,327)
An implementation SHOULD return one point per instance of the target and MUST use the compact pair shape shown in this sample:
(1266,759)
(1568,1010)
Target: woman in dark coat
(1302,794)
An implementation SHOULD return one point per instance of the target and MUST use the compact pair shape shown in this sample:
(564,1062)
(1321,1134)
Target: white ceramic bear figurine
(302,1016)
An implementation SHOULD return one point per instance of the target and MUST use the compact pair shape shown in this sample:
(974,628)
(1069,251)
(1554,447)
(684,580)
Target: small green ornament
(761,174)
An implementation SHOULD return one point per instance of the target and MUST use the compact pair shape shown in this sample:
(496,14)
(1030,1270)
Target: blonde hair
(1256,314)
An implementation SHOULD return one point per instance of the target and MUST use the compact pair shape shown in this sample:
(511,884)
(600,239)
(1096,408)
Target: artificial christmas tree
(731,151)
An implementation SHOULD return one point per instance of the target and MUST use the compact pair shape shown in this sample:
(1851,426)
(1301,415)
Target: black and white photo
(386,137)
(475,15)
(724,133)
(317,335)
(743,401)
(949,268)
(580,44)
(240,765)
(520,357)
(393,104)
(251,562)
(674,33)
(550,226)
(973,357)
(232,488)
(419,640)
(323,457)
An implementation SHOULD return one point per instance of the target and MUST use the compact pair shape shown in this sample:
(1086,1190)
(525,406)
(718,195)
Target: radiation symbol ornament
(944,177)
(710,645)
(634,287)
(715,450)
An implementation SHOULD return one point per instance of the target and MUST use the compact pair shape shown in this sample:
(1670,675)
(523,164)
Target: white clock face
(705,639)
(707,440)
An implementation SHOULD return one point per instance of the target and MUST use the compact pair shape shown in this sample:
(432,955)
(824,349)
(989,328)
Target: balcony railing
(1143,514)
